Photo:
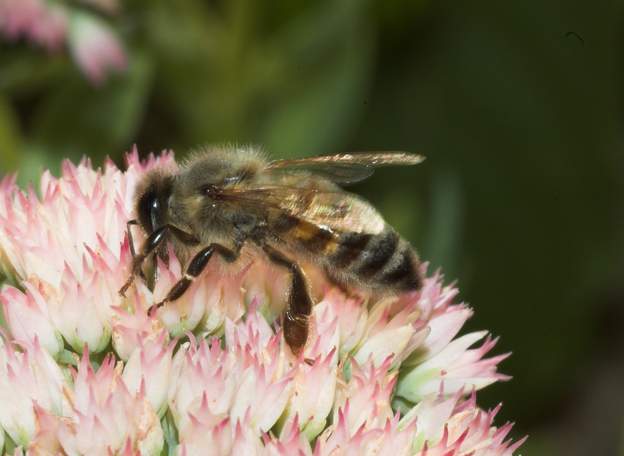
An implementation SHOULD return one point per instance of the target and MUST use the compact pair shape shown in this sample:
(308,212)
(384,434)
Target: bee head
(152,200)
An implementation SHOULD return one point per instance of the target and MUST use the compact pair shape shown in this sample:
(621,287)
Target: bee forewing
(336,210)
(346,168)
(343,212)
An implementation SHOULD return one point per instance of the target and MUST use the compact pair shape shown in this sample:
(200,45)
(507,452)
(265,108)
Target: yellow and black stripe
(381,260)
(315,239)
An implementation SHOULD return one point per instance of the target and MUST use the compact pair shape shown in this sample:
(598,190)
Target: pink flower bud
(95,47)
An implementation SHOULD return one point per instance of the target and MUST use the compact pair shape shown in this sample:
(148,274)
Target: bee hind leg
(195,267)
(300,303)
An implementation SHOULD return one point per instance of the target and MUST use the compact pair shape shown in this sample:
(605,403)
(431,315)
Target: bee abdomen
(350,248)
(378,252)
(402,271)
(383,260)
(315,239)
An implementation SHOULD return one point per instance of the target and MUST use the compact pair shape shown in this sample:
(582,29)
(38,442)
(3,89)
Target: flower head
(95,47)
(51,24)
(28,377)
(42,22)
(84,370)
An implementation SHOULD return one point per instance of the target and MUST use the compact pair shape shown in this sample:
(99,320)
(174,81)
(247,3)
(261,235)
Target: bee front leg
(129,224)
(300,303)
(195,268)
(152,242)
(131,242)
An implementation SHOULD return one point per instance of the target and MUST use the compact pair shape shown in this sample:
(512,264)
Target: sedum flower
(148,370)
(27,316)
(454,368)
(95,47)
(106,417)
(52,24)
(86,371)
(456,426)
(40,21)
(202,305)
(131,323)
(28,377)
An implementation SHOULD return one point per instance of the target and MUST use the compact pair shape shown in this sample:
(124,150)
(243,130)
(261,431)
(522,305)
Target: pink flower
(43,22)
(28,378)
(105,417)
(149,370)
(453,369)
(456,426)
(27,316)
(48,23)
(95,47)
(132,325)
(86,371)
(209,300)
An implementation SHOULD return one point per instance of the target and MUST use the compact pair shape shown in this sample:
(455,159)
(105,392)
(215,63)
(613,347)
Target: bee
(288,210)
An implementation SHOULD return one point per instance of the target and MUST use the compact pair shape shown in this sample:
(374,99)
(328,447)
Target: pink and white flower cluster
(51,24)
(85,371)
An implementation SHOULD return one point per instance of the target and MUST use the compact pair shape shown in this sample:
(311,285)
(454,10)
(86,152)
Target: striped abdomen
(376,261)
(379,260)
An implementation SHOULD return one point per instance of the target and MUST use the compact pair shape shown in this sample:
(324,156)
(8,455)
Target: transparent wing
(346,168)
(335,210)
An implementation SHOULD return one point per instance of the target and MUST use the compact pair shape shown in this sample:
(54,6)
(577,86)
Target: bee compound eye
(154,204)
(155,212)
(147,207)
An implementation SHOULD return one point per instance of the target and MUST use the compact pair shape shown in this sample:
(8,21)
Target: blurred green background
(517,106)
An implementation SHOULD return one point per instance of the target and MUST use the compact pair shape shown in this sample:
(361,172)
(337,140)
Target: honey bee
(287,210)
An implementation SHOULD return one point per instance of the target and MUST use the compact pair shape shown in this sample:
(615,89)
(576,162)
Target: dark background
(517,106)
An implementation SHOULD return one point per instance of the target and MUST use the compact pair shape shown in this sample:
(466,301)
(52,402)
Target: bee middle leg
(195,267)
(300,303)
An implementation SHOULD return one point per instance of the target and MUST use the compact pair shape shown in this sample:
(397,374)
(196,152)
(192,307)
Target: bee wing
(346,168)
(334,210)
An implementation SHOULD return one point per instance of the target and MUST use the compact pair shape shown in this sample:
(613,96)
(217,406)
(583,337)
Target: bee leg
(130,238)
(152,242)
(299,302)
(131,242)
(195,268)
